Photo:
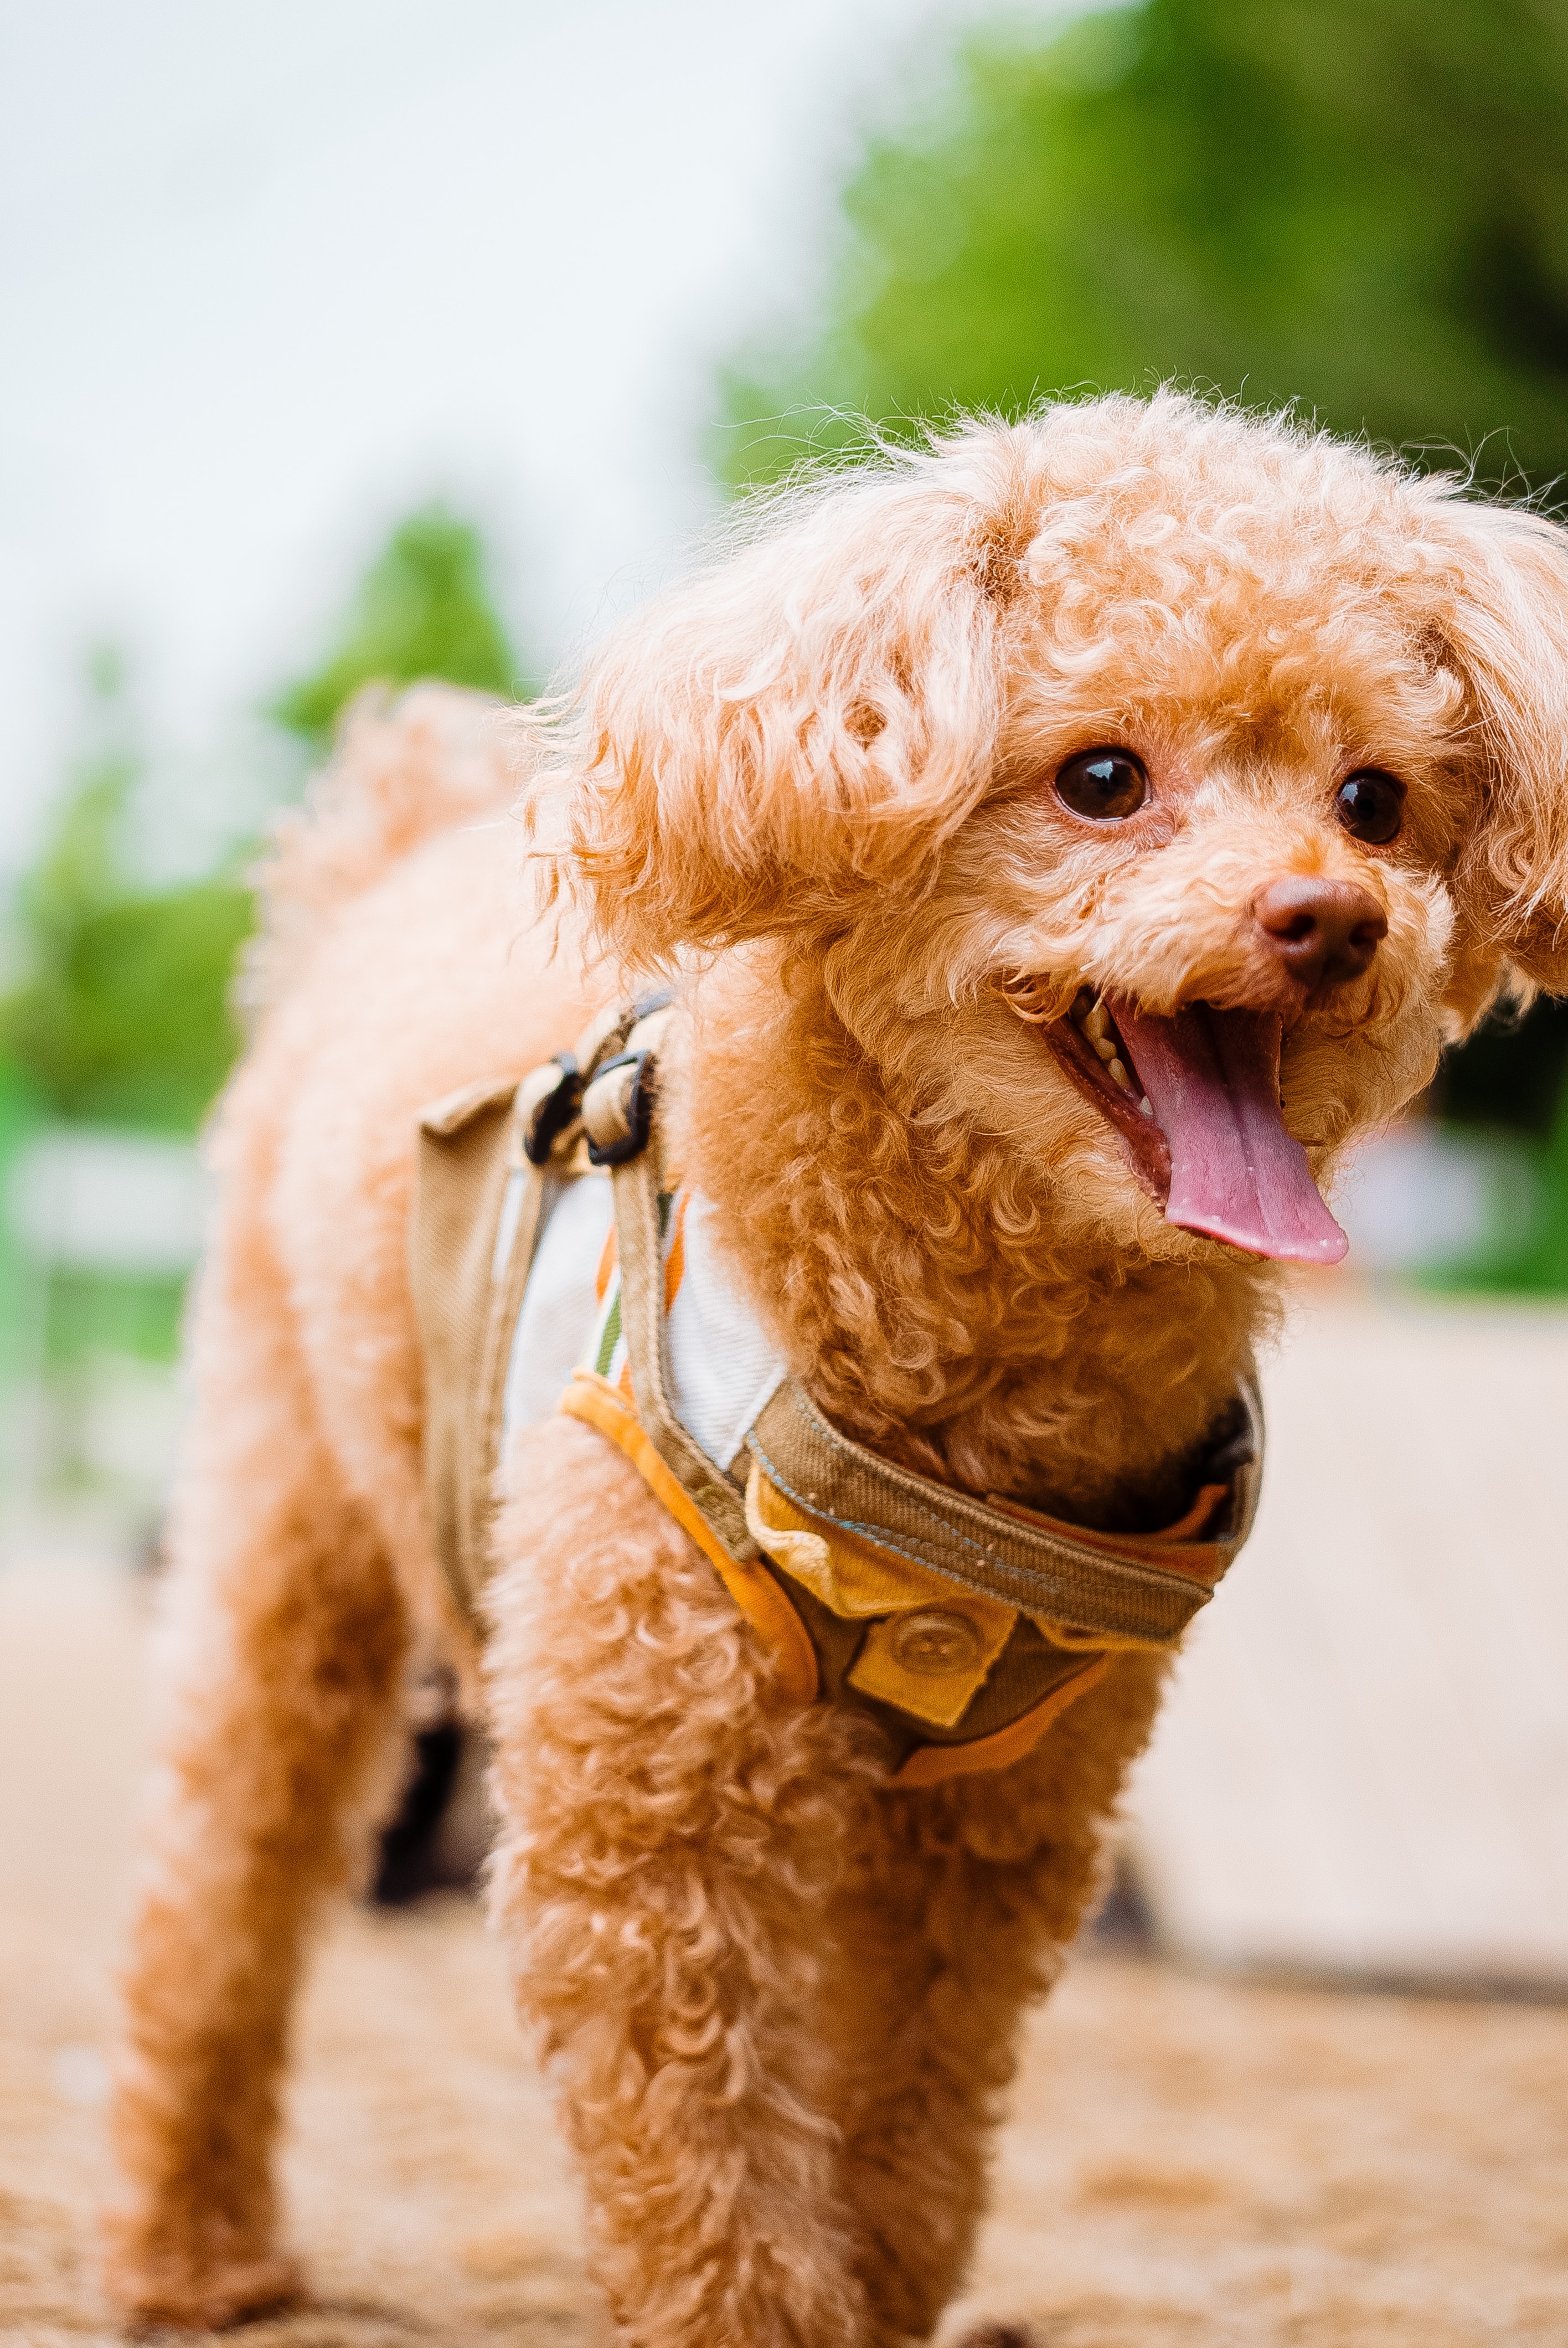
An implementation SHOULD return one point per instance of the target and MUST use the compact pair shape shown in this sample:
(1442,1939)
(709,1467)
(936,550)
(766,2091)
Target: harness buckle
(618,1117)
(547,1118)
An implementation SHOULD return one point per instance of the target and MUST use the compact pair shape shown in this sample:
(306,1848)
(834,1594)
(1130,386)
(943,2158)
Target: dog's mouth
(1193,1101)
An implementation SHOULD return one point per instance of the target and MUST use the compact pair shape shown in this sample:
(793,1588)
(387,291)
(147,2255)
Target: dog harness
(557,1262)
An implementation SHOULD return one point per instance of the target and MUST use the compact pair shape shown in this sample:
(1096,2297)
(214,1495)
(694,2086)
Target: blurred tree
(424,610)
(1357,205)
(19,1111)
(122,1015)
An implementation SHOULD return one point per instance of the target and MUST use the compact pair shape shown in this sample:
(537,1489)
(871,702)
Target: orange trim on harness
(930,1763)
(598,1404)
(607,1256)
(675,1263)
(1174,1550)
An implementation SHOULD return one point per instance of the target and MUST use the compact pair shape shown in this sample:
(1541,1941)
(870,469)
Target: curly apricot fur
(780,1998)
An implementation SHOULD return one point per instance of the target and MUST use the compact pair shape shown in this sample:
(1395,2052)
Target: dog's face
(1211,891)
(1155,788)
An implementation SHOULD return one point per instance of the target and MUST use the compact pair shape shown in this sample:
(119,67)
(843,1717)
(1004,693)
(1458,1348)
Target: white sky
(269,273)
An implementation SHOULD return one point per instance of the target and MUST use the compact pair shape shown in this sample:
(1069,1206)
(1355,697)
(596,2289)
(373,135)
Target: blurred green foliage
(1511,1073)
(424,610)
(88,1314)
(122,1015)
(1514,1074)
(1542,1267)
(1359,206)
(19,1110)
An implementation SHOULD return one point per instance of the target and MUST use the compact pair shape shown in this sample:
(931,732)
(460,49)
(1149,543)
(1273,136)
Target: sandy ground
(1189,2161)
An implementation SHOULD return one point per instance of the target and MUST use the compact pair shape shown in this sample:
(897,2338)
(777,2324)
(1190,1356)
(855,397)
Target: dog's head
(1154,787)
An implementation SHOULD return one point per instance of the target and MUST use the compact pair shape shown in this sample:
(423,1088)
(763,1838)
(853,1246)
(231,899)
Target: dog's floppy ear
(803,720)
(1505,630)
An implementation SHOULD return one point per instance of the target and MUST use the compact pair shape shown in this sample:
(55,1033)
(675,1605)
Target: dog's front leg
(285,1635)
(672,1830)
(953,1916)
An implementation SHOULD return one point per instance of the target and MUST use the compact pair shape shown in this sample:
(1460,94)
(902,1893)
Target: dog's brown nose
(1324,931)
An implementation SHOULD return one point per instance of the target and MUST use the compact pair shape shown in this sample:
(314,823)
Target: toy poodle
(980,909)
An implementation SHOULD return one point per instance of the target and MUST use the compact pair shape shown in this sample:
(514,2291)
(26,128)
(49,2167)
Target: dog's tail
(403,770)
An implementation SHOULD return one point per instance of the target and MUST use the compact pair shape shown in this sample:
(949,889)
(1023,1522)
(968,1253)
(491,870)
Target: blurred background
(353,342)
(358,340)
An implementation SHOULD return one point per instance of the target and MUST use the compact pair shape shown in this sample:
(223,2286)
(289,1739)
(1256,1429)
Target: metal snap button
(934,1642)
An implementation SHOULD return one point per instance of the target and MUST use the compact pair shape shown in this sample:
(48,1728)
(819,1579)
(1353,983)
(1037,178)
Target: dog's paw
(161,2295)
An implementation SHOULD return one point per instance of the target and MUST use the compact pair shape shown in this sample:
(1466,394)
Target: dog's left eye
(1105,785)
(1371,805)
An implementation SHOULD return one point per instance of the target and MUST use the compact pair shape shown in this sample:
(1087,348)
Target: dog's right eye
(1104,785)
(1371,805)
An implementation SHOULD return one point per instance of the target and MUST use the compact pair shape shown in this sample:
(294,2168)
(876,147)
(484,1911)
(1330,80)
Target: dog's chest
(545,1284)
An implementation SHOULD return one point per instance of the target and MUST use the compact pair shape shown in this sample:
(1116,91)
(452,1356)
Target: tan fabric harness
(964,1625)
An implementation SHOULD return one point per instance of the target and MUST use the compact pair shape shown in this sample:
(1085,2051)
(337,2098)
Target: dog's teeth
(1144,1105)
(1105,1047)
(1118,1074)
(1096,1023)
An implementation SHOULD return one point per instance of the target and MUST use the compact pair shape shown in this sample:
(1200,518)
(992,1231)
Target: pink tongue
(1213,1081)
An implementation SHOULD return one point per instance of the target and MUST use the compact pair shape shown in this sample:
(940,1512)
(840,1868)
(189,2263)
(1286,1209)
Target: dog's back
(402,952)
